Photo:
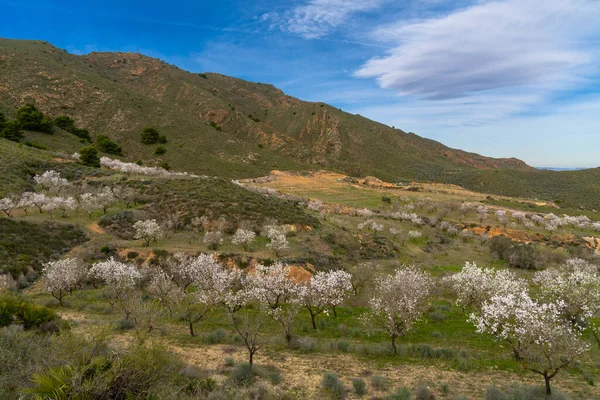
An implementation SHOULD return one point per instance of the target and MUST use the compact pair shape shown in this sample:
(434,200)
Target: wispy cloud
(489,46)
(317,18)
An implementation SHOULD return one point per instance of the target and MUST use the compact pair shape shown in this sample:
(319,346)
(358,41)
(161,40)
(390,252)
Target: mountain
(219,125)
(118,94)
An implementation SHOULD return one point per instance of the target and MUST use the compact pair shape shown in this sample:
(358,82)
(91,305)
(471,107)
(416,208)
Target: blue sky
(504,78)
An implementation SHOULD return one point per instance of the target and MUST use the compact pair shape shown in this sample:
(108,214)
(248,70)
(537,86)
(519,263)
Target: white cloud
(489,46)
(317,18)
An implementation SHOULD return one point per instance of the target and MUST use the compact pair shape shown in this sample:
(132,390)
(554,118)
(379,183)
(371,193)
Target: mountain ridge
(99,87)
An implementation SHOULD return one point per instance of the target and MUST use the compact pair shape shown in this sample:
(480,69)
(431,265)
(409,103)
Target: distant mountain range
(219,125)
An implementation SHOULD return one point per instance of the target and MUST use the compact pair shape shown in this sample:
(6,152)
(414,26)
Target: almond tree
(276,292)
(577,285)
(148,230)
(399,301)
(61,277)
(325,291)
(7,205)
(545,342)
(120,281)
(198,285)
(278,240)
(213,239)
(245,237)
(474,285)
(51,181)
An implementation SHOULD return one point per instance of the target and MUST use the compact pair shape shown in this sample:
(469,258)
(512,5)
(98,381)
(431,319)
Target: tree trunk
(394,344)
(548,389)
(191,328)
(314,324)
(334,312)
(251,359)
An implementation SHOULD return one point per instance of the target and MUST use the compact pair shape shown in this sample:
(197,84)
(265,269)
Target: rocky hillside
(217,124)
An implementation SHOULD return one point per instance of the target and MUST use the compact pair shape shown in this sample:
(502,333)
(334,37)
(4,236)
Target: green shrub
(106,145)
(150,136)
(379,382)
(160,150)
(402,393)
(14,310)
(216,336)
(360,387)
(215,125)
(422,392)
(242,374)
(332,383)
(11,131)
(35,145)
(89,156)
(31,119)
(132,255)
(3,121)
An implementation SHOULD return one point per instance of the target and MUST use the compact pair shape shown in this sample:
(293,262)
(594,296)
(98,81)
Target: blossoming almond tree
(276,292)
(577,285)
(278,241)
(474,285)
(120,280)
(399,300)
(51,181)
(324,291)
(63,276)
(148,230)
(245,237)
(543,340)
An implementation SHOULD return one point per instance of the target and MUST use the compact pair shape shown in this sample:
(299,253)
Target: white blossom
(148,230)
(398,301)
(324,291)
(245,237)
(51,181)
(62,277)
(474,285)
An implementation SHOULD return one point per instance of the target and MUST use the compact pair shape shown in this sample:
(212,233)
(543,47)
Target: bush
(11,131)
(67,124)
(14,310)
(31,119)
(379,382)
(242,374)
(132,255)
(515,254)
(216,336)
(332,383)
(89,156)
(106,145)
(215,125)
(517,392)
(160,150)
(360,387)
(422,392)
(150,136)
(402,393)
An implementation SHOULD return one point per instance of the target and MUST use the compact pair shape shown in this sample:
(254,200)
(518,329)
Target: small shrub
(229,362)
(379,382)
(307,344)
(402,393)
(216,336)
(360,387)
(150,136)
(242,374)
(160,150)
(89,156)
(106,145)
(125,324)
(132,255)
(343,346)
(422,392)
(332,383)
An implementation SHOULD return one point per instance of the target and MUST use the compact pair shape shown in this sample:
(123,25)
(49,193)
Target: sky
(503,78)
